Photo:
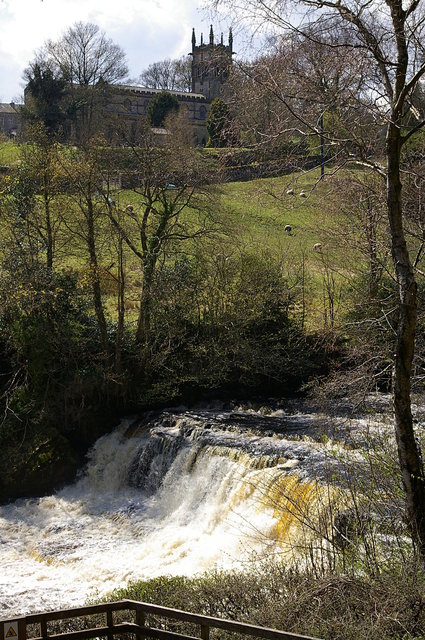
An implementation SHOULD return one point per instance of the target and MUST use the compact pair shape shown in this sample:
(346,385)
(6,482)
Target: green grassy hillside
(317,253)
(256,213)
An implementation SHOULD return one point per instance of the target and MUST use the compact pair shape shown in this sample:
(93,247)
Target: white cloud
(147,30)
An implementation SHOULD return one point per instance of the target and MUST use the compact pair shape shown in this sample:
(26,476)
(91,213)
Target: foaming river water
(172,493)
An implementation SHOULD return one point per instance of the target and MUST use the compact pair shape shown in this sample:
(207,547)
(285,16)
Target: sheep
(129,208)
(317,246)
(303,194)
(290,192)
(288,229)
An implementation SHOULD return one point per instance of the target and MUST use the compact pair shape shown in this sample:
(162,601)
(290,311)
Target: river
(176,492)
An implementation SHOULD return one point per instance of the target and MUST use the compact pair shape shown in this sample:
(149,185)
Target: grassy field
(9,153)
(256,214)
(262,208)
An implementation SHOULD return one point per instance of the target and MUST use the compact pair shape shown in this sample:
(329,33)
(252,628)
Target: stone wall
(130,103)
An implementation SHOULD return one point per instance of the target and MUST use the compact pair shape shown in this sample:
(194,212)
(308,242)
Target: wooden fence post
(22,629)
(140,621)
(205,632)
(43,628)
(110,623)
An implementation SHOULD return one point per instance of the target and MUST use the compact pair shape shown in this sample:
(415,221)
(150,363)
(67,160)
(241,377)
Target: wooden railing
(115,619)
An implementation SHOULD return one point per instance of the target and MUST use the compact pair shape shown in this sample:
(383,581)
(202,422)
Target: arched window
(203,112)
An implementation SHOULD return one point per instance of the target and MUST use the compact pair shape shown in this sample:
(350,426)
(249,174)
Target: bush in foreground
(331,606)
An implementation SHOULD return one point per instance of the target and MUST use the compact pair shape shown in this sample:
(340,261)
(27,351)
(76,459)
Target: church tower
(211,64)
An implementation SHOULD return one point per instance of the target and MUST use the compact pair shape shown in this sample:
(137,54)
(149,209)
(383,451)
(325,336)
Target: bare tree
(184,74)
(84,55)
(40,159)
(171,181)
(168,74)
(299,90)
(87,61)
(388,37)
(82,171)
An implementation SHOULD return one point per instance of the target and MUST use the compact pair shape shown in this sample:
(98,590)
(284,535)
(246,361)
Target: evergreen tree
(46,103)
(160,107)
(219,124)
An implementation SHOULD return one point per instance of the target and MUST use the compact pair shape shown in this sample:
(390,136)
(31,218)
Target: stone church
(211,66)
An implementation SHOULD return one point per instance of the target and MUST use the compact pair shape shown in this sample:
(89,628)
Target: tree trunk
(95,280)
(408,449)
(144,320)
(371,236)
(49,231)
(120,304)
(151,251)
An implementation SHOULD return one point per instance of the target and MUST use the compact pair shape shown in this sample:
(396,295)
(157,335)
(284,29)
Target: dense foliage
(220,125)
(330,606)
(45,98)
(160,107)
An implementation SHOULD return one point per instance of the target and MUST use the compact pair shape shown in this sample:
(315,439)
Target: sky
(147,30)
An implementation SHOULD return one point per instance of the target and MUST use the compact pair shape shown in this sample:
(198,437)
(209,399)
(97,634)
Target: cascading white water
(180,494)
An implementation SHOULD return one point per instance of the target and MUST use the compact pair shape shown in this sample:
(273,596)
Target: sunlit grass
(261,209)
(10,153)
(249,216)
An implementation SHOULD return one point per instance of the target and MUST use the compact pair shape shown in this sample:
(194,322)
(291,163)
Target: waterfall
(173,493)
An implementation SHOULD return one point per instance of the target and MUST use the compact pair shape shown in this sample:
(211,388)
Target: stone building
(10,119)
(211,66)
(129,104)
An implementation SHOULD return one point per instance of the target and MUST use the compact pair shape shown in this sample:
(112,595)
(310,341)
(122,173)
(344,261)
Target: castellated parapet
(130,103)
